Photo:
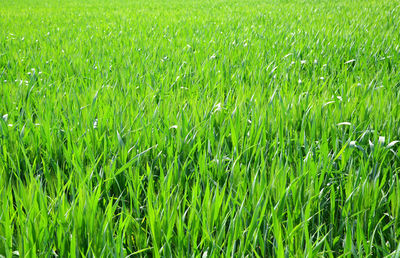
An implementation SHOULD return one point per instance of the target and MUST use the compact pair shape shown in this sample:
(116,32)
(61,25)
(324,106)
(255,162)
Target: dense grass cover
(199,128)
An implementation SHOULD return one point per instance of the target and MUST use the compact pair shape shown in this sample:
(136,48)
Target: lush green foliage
(200,128)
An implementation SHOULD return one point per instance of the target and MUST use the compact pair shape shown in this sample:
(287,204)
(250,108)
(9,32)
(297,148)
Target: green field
(202,128)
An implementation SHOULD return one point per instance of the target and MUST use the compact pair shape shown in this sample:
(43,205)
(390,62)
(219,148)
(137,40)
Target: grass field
(199,128)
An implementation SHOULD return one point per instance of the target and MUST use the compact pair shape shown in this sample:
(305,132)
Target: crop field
(202,128)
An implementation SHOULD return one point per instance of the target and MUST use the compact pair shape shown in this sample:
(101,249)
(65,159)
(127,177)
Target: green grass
(199,128)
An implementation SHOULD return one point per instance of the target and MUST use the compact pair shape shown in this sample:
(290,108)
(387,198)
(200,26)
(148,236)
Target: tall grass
(207,128)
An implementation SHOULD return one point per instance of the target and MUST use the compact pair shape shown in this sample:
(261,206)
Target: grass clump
(208,128)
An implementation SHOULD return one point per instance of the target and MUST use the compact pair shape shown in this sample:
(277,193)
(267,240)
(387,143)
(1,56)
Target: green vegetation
(199,128)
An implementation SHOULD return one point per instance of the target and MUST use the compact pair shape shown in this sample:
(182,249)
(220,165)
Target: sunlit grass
(208,128)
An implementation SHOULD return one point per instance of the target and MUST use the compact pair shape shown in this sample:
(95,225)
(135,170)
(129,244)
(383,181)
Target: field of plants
(202,128)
